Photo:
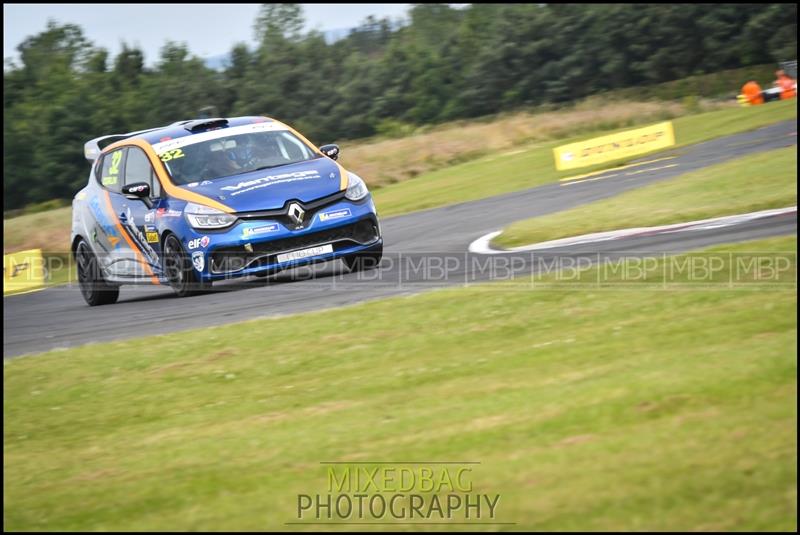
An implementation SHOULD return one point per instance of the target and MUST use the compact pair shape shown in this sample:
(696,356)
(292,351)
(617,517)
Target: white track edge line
(483,244)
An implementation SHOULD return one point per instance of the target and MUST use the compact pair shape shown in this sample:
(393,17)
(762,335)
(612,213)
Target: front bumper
(252,246)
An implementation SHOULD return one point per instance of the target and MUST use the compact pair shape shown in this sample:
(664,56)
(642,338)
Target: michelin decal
(336,214)
(248,232)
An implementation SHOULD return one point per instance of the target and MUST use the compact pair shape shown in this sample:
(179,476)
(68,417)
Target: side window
(138,169)
(296,150)
(111,170)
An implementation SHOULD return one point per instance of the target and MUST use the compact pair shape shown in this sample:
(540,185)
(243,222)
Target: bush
(34,208)
(392,128)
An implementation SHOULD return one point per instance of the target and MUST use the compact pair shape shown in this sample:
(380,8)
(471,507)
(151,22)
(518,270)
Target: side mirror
(331,151)
(138,190)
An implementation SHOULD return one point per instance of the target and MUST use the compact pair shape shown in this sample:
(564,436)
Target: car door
(136,214)
(129,257)
(107,235)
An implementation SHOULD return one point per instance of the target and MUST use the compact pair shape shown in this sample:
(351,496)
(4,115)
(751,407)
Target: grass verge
(596,409)
(533,166)
(389,161)
(755,182)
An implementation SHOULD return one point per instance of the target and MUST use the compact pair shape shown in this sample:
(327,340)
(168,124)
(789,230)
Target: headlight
(356,189)
(200,216)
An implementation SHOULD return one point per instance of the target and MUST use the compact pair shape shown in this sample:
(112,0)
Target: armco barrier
(614,146)
(24,270)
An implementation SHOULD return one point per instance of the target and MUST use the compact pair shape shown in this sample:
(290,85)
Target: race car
(203,200)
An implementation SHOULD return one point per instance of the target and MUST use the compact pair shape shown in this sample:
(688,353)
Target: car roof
(92,148)
(179,129)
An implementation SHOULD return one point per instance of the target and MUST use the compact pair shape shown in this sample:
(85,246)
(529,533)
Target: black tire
(94,288)
(180,272)
(364,260)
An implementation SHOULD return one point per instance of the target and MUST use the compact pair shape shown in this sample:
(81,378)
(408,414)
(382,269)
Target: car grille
(232,259)
(282,214)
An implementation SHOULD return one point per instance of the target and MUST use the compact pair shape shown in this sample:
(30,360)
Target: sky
(208,29)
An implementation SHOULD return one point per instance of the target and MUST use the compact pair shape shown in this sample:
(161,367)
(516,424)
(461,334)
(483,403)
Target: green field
(526,168)
(756,182)
(588,407)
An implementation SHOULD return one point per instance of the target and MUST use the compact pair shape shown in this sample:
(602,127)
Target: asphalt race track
(424,250)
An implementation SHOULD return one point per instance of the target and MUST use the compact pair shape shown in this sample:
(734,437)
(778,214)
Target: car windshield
(234,155)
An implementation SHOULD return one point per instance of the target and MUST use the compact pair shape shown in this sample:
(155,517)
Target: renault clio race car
(203,200)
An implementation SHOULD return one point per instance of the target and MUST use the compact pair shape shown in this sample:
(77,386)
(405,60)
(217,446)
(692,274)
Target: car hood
(269,189)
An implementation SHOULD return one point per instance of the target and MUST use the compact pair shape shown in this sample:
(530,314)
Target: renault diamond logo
(296,213)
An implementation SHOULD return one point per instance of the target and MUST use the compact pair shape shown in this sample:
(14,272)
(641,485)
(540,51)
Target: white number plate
(305,253)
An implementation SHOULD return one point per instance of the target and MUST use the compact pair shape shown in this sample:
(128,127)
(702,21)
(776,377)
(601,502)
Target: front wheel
(364,260)
(180,272)
(94,288)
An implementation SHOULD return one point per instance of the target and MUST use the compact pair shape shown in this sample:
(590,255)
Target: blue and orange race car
(209,199)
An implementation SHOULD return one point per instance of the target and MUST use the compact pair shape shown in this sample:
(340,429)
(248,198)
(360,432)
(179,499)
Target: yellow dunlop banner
(614,146)
(23,271)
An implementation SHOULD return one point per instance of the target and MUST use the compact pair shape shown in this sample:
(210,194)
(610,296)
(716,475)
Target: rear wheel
(364,260)
(95,290)
(180,272)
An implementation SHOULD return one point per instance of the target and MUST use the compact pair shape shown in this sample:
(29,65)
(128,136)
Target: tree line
(441,64)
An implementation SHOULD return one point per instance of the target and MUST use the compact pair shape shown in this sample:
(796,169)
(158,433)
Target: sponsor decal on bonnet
(269,180)
(336,214)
